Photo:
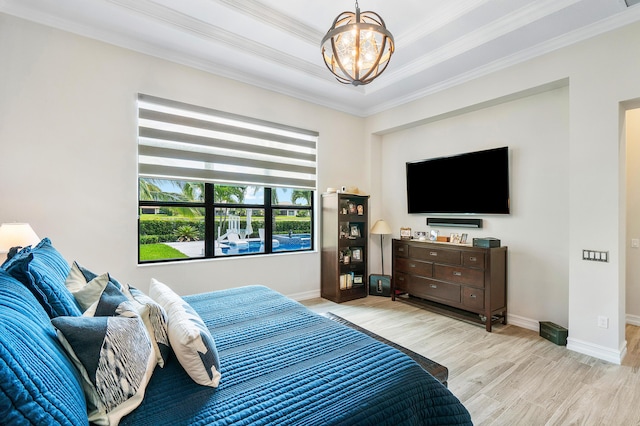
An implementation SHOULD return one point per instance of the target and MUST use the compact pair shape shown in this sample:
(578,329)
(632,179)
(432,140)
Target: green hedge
(153,231)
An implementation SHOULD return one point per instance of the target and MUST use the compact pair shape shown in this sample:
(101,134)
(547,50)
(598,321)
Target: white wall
(633,215)
(68,153)
(536,130)
(601,74)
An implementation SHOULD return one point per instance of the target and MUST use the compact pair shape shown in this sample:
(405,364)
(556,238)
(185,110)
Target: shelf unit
(345,245)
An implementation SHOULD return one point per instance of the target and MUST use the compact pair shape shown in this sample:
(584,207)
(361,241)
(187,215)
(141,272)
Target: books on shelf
(346,281)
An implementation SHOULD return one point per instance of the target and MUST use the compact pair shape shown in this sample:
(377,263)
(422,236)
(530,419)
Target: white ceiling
(275,44)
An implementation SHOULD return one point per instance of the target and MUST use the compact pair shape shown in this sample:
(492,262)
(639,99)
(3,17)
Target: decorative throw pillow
(85,292)
(112,302)
(114,357)
(89,275)
(155,319)
(44,271)
(189,337)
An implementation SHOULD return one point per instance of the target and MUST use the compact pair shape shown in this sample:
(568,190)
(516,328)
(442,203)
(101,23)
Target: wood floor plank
(511,376)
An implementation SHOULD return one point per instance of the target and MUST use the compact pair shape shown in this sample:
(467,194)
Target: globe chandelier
(357,48)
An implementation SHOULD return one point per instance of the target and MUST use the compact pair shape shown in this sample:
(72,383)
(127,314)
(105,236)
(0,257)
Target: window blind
(187,142)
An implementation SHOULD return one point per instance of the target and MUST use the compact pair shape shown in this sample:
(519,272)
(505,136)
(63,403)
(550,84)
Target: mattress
(283,364)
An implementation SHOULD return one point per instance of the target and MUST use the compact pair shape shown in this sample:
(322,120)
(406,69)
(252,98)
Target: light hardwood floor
(510,376)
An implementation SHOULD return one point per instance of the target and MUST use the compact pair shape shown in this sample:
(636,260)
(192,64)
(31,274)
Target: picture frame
(433,235)
(463,238)
(355,231)
(344,230)
(454,238)
(352,207)
(360,209)
(356,254)
(405,233)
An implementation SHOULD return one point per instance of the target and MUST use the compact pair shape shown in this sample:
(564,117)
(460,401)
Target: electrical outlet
(603,321)
(635,243)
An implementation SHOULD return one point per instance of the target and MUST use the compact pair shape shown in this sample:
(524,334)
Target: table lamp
(14,236)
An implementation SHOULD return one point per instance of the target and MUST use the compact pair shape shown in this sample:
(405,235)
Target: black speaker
(452,222)
(379,285)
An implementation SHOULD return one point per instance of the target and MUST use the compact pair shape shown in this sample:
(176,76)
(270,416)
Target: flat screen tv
(474,182)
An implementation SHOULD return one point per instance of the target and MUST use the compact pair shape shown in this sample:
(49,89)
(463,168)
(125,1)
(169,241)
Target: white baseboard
(304,295)
(523,322)
(598,351)
(633,319)
(580,346)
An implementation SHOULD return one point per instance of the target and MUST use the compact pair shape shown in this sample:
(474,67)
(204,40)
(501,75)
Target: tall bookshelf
(345,237)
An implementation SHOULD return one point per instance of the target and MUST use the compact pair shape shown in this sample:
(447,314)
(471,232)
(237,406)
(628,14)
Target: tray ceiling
(275,44)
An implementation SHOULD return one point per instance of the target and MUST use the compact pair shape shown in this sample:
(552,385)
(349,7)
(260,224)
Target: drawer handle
(412,265)
(433,253)
(400,278)
(400,249)
(473,296)
(433,286)
(457,274)
(473,258)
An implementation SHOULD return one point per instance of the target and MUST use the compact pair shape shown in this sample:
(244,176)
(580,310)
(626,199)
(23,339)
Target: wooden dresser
(467,282)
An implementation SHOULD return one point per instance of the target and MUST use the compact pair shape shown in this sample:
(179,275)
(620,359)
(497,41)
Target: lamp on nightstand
(14,236)
(379,285)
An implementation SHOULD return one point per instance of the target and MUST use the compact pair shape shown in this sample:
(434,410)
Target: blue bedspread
(282,364)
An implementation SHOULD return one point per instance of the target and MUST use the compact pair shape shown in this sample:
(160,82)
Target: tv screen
(474,182)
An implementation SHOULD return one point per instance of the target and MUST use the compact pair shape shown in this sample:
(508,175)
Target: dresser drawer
(473,297)
(415,267)
(430,289)
(473,259)
(435,255)
(458,274)
(401,250)
(400,282)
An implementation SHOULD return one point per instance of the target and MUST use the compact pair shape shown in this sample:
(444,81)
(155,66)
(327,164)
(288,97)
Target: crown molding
(275,18)
(449,13)
(516,19)
(321,89)
(214,34)
(612,23)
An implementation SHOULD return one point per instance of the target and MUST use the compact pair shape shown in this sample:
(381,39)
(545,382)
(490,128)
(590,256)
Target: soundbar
(454,222)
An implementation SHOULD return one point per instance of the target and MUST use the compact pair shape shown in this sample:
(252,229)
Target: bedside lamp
(381,227)
(14,236)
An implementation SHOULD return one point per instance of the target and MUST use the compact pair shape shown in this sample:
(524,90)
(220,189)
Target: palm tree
(299,194)
(229,194)
(150,190)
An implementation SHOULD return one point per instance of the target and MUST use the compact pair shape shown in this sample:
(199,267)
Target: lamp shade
(381,227)
(16,235)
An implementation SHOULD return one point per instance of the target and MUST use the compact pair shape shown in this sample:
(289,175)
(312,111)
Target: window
(213,184)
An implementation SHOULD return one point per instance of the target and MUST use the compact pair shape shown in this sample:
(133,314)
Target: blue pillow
(44,271)
(38,382)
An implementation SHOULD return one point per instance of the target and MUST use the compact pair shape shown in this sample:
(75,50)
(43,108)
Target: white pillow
(189,338)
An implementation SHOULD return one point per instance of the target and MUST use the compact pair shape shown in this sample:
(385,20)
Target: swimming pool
(280,243)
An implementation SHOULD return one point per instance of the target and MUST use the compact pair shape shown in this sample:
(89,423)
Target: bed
(279,364)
